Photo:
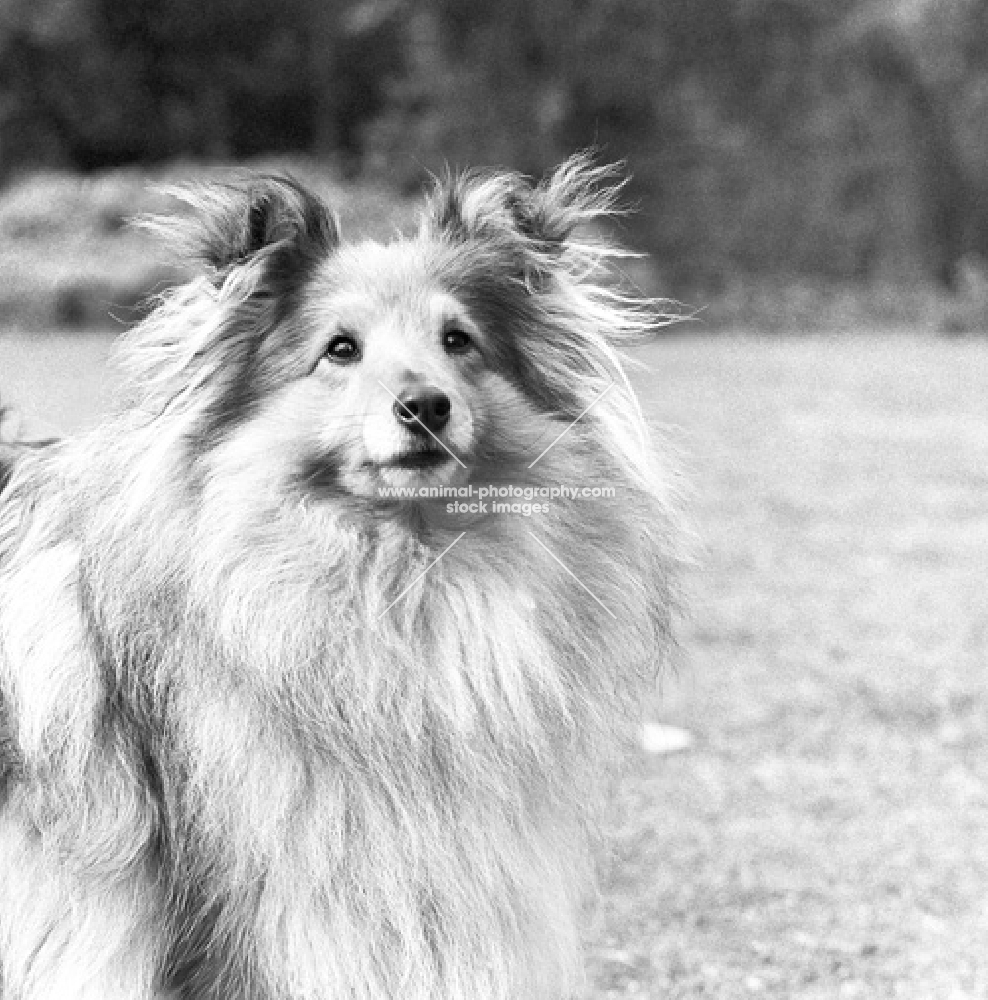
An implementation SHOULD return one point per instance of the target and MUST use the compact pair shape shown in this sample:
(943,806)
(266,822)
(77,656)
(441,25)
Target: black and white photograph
(493,499)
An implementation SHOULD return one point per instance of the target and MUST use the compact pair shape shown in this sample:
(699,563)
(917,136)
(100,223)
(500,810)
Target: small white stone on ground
(658,738)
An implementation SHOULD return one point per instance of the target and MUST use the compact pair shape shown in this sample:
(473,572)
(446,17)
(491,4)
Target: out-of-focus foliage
(97,83)
(782,137)
(769,139)
(69,257)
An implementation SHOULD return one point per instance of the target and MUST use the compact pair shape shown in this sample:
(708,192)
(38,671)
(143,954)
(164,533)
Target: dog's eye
(343,349)
(455,341)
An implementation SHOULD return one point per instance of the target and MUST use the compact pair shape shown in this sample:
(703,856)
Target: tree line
(786,138)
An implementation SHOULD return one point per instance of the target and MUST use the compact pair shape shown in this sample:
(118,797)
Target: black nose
(423,409)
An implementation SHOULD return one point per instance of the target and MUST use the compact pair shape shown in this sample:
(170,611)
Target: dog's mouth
(429,458)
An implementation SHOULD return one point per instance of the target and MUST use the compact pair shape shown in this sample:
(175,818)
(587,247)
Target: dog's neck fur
(311,677)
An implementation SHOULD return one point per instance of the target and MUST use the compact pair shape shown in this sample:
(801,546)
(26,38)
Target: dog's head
(356,368)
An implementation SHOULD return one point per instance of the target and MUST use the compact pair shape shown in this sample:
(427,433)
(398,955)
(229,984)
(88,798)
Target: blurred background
(811,176)
(794,161)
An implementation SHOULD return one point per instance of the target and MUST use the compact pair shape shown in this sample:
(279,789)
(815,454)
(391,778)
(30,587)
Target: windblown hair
(268,730)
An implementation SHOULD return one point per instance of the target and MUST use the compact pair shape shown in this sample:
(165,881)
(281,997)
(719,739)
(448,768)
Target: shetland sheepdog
(316,656)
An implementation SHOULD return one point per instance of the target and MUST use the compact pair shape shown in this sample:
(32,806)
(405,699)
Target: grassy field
(827,836)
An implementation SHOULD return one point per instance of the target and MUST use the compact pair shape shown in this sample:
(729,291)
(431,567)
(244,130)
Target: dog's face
(403,377)
(351,369)
(384,372)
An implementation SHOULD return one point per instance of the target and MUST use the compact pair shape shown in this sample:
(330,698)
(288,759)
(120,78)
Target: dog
(288,709)
(12,446)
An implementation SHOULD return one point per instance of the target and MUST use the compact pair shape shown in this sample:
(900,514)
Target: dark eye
(343,349)
(455,341)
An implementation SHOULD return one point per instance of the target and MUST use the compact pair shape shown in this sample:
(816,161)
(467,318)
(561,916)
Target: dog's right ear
(232,223)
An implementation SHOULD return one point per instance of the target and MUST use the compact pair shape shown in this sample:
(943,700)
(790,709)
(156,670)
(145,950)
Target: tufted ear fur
(255,243)
(233,223)
(507,208)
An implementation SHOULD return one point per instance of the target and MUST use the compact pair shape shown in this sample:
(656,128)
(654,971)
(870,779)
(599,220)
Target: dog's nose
(423,409)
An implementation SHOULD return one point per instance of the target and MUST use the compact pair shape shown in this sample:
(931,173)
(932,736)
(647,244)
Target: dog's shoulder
(8,458)
(23,476)
(13,449)
(8,755)
(8,452)
(14,454)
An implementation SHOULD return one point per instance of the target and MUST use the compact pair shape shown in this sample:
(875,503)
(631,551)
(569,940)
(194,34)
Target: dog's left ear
(540,219)
(233,223)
